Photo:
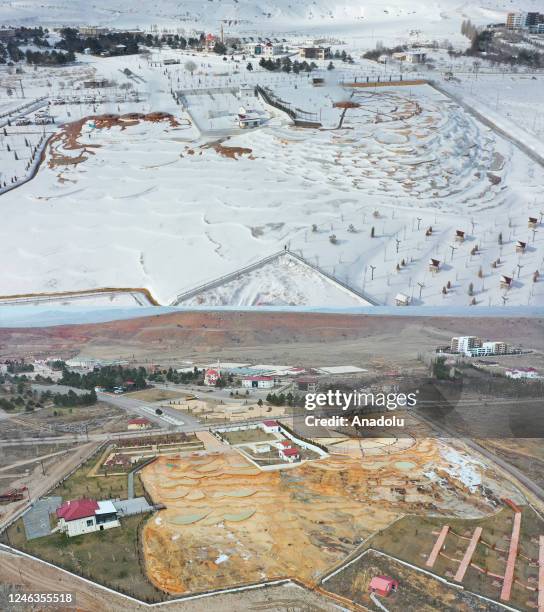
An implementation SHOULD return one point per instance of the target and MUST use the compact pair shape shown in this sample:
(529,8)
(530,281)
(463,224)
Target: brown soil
(67,138)
(346,104)
(290,336)
(230,152)
(228,523)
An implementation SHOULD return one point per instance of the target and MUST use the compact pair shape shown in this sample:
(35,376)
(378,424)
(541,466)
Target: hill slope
(250,14)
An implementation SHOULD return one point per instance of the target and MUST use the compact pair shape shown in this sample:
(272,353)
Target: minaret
(222,35)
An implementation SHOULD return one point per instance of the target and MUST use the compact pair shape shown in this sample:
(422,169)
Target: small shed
(533,222)
(401,299)
(383,585)
(506,282)
(520,246)
(459,236)
(434,265)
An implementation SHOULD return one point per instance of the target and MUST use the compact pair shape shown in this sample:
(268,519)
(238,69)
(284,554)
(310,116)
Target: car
(23,121)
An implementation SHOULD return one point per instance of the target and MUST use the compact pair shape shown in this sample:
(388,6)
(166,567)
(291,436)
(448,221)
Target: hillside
(280,15)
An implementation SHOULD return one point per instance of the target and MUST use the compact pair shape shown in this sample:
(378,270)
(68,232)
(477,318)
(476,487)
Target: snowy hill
(281,15)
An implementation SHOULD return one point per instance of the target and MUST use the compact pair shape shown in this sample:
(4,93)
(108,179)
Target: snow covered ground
(157,204)
(282,282)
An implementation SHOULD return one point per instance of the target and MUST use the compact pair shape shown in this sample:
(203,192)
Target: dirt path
(35,577)
(39,485)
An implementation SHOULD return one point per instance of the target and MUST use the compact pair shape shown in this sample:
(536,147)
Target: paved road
(520,144)
(170,417)
(215,393)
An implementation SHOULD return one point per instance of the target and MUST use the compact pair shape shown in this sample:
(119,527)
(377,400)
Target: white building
(401,299)
(261,448)
(270,50)
(258,382)
(289,454)
(461,344)
(270,426)
(488,348)
(518,373)
(472,346)
(81,516)
(412,57)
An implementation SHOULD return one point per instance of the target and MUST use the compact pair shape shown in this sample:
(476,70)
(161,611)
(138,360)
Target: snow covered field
(157,204)
(171,202)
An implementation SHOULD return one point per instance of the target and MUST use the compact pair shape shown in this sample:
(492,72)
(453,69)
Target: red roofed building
(209,42)
(270,426)
(139,423)
(383,585)
(80,516)
(77,509)
(289,454)
(258,382)
(211,376)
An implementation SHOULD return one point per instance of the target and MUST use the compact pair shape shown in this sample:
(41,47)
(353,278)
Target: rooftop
(77,509)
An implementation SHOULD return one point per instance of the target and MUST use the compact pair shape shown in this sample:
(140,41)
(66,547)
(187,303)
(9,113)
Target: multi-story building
(462,344)
(487,348)
(93,30)
(319,53)
(533,21)
(472,346)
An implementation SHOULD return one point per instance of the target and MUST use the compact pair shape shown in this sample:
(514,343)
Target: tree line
(285,64)
(107,377)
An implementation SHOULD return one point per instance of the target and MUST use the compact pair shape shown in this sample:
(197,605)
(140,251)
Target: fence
(300,118)
(226,278)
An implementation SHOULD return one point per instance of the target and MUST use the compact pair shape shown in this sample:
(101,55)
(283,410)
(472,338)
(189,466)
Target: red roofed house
(383,585)
(258,382)
(80,516)
(270,426)
(209,42)
(211,376)
(139,423)
(289,454)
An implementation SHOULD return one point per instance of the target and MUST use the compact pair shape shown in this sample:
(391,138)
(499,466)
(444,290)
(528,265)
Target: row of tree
(107,377)
(285,64)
